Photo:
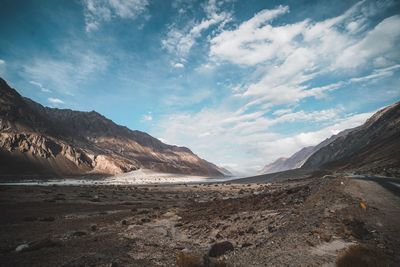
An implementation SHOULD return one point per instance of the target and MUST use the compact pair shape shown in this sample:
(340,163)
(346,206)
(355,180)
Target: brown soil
(309,222)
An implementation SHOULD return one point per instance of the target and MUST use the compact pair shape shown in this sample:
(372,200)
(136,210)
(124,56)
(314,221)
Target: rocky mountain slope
(372,147)
(300,157)
(37,140)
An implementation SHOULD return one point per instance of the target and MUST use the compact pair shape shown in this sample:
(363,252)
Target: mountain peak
(372,147)
(84,141)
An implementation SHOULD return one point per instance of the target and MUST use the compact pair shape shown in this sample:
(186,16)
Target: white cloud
(42,88)
(163,140)
(195,97)
(248,139)
(2,66)
(178,65)
(253,41)
(98,11)
(383,39)
(65,75)
(287,63)
(316,116)
(147,117)
(206,68)
(377,74)
(286,146)
(180,41)
(281,112)
(288,57)
(55,101)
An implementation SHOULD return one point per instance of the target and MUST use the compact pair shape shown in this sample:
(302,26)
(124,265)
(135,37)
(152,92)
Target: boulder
(36,245)
(220,248)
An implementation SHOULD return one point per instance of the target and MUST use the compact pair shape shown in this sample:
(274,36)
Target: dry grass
(360,256)
(189,259)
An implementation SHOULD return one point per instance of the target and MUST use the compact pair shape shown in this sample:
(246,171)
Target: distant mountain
(276,166)
(300,157)
(372,147)
(37,140)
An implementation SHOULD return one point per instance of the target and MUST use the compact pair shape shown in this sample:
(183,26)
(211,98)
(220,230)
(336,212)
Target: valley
(199,133)
(76,189)
(331,219)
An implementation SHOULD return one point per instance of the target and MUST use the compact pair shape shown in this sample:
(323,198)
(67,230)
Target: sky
(239,82)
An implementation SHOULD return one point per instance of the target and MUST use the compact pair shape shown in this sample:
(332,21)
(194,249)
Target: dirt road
(389,183)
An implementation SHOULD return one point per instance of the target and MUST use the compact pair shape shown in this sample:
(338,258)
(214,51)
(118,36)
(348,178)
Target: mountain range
(37,140)
(300,157)
(372,147)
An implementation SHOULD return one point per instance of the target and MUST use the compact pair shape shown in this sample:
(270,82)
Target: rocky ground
(309,222)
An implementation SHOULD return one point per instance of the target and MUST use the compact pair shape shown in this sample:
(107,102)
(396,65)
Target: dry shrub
(187,258)
(360,256)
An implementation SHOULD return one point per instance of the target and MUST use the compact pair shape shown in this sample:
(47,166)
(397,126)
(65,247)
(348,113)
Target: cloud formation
(42,88)
(180,41)
(98,11)
(248,139)
(2,66)
(147,117)
(55,101)
(65,74)
(239,83)
(290,56)
(289,63)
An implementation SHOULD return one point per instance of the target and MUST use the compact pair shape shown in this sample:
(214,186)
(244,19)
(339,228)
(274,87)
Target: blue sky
(239,82)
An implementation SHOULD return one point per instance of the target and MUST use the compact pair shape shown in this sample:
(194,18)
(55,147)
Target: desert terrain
(320,220)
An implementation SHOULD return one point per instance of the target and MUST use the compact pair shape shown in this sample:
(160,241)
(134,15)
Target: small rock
(145,220)
(271,228)
(93,227)
(246,244)
(36,245)
(47,219)
(22,247)
(78,233)
(144,211)
(326,237)
(220,248)
(114,264)
(250,230)
(124,222)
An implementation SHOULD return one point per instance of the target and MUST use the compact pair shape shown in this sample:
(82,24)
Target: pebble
(22,247)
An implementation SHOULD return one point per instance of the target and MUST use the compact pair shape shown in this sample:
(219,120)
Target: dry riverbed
(309,222)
